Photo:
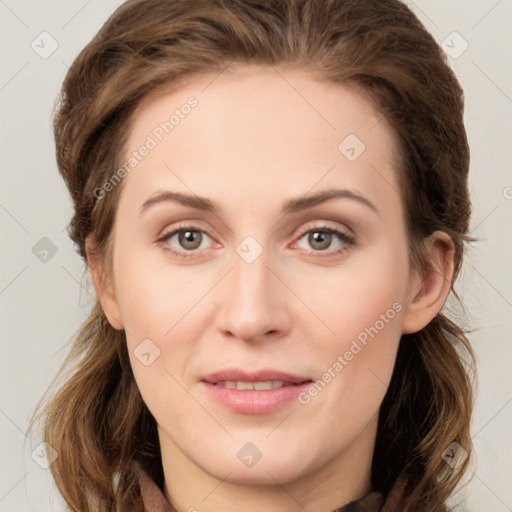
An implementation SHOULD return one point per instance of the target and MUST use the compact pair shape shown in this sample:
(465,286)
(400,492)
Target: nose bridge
(251,303)
(251,281)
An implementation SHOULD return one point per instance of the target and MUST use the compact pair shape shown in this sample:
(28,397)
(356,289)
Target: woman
(271,200)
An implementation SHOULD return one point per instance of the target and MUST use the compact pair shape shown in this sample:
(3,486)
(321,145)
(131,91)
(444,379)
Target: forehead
(254,127)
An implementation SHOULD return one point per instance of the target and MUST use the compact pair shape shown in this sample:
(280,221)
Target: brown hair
(97,420)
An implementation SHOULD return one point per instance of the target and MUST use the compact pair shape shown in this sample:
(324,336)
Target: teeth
(244,385)
(259,386)
(266,385)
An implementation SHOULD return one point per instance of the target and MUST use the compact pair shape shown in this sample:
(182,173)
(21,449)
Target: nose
(252,302)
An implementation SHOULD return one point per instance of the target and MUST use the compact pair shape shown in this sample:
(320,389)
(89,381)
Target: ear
(103,286)
(428,292)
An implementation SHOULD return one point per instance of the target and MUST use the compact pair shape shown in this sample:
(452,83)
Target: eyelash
(348,240)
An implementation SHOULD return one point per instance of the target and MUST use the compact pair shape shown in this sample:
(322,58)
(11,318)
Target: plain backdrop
(44,299)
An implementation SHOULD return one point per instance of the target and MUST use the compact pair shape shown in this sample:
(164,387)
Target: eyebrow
(291,206)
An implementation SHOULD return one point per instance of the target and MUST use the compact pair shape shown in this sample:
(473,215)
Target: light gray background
(43,303)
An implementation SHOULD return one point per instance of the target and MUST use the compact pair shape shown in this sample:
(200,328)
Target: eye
(321,238)
(187,239)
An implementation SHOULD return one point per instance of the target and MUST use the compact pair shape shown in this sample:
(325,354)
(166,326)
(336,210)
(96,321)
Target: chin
(263,475)
(274,466)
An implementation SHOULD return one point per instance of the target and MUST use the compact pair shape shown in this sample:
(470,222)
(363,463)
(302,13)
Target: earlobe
(103,286)
(428,292)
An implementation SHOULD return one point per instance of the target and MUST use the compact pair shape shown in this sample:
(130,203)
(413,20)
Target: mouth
(255,386)
(254,393)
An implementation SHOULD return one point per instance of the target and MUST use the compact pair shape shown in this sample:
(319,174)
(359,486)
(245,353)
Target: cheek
(367,330)
(154,298)
(157,305)
(365,293)
(155,316)
(362,305)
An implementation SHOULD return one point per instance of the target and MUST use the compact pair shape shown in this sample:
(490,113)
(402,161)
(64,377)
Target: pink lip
(254,401)
(258,376)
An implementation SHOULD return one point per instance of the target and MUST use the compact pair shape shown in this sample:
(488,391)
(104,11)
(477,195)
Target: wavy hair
(96,419)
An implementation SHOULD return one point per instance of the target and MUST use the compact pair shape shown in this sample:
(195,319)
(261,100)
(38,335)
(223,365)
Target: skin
(253,142)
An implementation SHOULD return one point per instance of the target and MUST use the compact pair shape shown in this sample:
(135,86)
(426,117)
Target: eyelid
(346,236)
(182,226)
(192,225)
(323,224)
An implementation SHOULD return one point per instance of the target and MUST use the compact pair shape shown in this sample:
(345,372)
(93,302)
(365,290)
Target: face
(260,243)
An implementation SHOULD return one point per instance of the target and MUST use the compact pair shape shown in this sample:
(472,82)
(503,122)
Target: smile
(258,386)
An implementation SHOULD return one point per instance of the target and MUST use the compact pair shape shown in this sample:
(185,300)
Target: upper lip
(239,375)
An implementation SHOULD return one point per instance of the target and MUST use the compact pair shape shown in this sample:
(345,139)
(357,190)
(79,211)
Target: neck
(343,478)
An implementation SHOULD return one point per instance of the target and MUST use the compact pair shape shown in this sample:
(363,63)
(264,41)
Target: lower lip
(254,401)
